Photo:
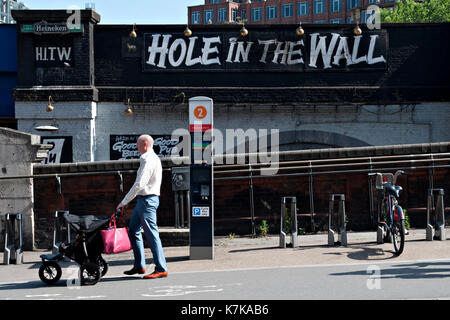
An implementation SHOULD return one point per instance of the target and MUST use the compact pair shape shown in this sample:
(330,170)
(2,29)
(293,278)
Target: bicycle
(393,226)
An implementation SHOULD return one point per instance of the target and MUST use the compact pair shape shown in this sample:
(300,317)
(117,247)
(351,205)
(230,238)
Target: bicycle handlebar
(395,176)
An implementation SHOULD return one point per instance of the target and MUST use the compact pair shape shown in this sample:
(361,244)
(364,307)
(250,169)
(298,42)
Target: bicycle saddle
(394,190)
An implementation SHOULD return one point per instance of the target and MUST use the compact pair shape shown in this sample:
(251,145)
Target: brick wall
(100,194)
(326,16)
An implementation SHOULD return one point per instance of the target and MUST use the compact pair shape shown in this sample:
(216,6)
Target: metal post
(282,223)
(182,208)
(294,238)
(58,224)
(19,246)
(177,209)
(435,215)
(311,197)
(293,228)
(13,251)
(252,204)
(340,228)
(188,203)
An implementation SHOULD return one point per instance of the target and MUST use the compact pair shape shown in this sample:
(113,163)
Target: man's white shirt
(148,178)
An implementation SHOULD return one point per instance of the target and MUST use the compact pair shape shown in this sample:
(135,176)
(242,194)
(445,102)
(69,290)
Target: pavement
(248,253)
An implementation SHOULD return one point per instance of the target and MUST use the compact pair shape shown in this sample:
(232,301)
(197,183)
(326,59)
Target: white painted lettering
(173,48)
(292,52)
(208,50)
(370,58)
(161,50)
(321,48)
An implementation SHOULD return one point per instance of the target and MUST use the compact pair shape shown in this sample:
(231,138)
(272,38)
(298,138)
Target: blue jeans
(144,216)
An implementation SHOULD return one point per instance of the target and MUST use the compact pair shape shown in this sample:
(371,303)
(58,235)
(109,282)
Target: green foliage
(407,224)
(263,228)
(410,11)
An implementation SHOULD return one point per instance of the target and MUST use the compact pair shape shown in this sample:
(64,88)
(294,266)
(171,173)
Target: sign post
(201,235)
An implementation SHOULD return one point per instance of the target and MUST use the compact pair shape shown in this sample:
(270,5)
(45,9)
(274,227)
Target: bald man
(146,189)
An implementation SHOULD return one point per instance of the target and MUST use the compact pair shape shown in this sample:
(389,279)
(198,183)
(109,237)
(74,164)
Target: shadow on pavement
(38,284)
(431,270)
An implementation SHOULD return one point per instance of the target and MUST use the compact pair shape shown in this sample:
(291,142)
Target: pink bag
(115,240)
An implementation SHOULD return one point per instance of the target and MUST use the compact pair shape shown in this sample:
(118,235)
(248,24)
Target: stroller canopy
(87,223)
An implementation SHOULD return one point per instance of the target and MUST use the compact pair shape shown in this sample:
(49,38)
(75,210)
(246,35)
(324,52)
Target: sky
(126,12)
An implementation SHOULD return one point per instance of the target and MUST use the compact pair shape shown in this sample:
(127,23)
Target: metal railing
(288,168)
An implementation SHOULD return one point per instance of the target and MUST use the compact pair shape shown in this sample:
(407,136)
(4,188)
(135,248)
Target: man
(147,189)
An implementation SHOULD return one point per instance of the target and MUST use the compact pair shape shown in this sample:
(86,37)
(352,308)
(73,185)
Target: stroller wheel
(103,266)
(90,273)
(50,272)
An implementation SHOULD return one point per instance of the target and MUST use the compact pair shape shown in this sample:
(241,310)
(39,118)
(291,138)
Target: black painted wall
(417,69)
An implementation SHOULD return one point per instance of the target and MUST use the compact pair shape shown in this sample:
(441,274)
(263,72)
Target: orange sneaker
(156,274)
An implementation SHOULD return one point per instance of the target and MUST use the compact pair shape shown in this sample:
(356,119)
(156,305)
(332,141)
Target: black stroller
(86,250)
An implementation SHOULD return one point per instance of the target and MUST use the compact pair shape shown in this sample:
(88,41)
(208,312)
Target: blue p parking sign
(200,211)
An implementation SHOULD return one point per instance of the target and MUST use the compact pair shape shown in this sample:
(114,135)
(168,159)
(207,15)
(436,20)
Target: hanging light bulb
(49,105)
(244,31)
(133,33)
(357,31)
(187,32)
(299,31)
(128,110)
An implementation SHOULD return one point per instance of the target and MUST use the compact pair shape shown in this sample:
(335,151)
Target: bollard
(435,215)
(59,224)
(294,238)
(13,252)
(340,227)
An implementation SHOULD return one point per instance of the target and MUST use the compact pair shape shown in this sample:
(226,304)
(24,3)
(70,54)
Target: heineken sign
(50,28)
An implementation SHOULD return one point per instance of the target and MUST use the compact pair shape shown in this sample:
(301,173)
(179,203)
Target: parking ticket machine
(201,232)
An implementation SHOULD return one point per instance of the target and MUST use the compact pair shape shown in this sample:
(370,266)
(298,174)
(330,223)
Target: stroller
(86,250)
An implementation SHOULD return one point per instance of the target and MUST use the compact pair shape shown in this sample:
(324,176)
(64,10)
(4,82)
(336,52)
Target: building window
(234,14)
(352,4)
(349,20)
(256,14)
(336,5)
(336,21)
(221,14)
(271,12)
(215,1)
(286,10)
(303,8)
(364,16)
(195,17)
(244,15)
(373,1)
(319,6)
(209,16)
(319,21)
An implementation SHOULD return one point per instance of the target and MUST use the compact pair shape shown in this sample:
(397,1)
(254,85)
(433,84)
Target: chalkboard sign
(123,147)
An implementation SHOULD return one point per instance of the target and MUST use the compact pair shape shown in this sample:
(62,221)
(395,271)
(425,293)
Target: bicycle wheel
(398,236)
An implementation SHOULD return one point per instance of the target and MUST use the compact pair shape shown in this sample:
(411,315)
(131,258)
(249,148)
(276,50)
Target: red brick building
(280,11)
